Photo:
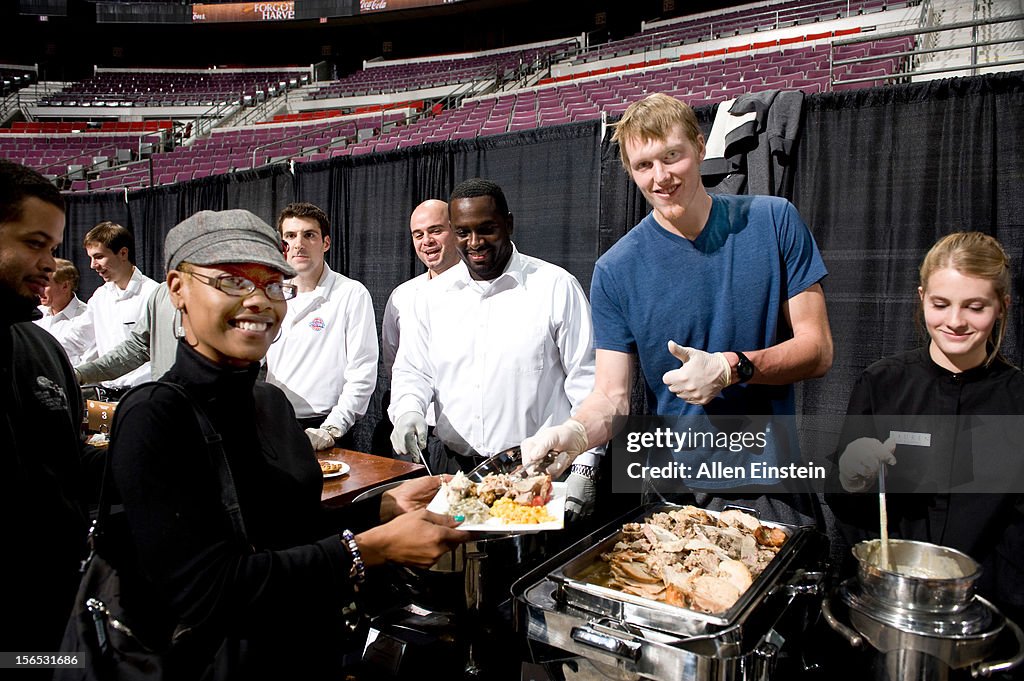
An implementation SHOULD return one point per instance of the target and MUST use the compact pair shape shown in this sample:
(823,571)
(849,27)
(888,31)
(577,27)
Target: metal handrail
(655,40)
(931,50)
(69,159)
(66,177)
(917,52)
(936,29)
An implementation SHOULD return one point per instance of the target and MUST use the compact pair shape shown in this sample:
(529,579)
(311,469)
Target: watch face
(745,369)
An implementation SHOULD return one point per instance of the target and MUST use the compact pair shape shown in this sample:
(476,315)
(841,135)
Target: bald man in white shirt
(434,244)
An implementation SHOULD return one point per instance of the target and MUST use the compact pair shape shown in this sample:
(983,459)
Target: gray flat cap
(212,237)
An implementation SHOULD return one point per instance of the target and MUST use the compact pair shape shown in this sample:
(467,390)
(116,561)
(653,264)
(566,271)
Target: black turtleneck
(988,527)
(295,580)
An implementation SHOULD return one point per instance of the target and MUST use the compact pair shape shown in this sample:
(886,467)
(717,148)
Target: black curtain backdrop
(369,200)
(155,210)
(879,175)
(551,178)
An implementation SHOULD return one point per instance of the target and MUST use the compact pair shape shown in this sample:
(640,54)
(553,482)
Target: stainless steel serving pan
(630,636)
(618,605)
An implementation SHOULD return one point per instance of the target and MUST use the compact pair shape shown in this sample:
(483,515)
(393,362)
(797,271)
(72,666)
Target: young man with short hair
(116,306)
(719,296)
(40,437)
(326,357)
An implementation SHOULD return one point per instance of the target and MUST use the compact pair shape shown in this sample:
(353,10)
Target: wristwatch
(335,432)
(744,367)
(588,472)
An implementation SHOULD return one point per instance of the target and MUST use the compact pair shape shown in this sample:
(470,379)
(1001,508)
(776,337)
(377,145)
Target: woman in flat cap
(268,597)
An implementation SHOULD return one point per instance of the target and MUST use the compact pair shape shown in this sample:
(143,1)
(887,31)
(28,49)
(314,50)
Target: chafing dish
(559,606)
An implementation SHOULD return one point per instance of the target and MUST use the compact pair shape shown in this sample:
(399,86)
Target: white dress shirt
(60,324)
(399,305)
(109,320)
(326,357)
(499,359)
(398,311)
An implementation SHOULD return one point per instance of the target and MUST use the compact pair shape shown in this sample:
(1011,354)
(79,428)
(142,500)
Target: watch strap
(744,367)
(588,472)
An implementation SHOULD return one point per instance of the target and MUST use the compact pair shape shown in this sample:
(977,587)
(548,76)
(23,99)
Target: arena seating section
(807,62)
(805,69)
(727,23)
(55,148)
(163,88)
(434,73)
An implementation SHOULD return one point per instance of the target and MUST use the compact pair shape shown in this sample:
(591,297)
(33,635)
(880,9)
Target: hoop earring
(178,324)
(178,327)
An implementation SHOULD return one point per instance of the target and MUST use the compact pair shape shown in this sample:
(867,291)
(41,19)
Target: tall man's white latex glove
(859,462)
(569,437)
(319,438)
(701,377)
(410,434)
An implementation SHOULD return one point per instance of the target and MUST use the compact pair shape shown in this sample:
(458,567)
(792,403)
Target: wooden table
(366,471)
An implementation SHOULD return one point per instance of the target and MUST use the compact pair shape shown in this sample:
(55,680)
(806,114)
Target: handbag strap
(218,459)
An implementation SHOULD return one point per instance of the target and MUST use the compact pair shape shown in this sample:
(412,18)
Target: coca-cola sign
(367,6)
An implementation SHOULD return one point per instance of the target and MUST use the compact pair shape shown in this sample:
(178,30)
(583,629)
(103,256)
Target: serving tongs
(549,463)
(510,462)
(507,461)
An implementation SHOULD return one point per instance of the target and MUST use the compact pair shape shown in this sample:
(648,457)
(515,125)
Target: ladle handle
(851,636)
(985,670)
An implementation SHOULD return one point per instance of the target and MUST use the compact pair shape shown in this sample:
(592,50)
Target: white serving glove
(701,377)
(582,492)
(859,462)
(319,438)
(569,438)
(409,436)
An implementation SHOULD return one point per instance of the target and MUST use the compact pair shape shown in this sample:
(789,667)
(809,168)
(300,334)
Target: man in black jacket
(40,443)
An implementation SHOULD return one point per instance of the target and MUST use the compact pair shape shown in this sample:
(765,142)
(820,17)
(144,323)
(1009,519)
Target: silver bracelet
(357,573)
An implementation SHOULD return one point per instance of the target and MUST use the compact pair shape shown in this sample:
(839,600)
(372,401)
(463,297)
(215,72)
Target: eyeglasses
(241,287)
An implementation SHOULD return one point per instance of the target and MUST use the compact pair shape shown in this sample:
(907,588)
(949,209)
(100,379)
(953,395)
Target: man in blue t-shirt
(719,297)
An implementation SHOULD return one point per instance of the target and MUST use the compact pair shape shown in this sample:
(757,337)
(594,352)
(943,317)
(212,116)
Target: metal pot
(899,586)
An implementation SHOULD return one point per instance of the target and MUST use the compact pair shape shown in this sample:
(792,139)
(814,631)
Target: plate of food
(332,468)
(503,503)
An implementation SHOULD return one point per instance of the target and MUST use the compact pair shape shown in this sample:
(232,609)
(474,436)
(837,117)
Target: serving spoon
(883,558)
